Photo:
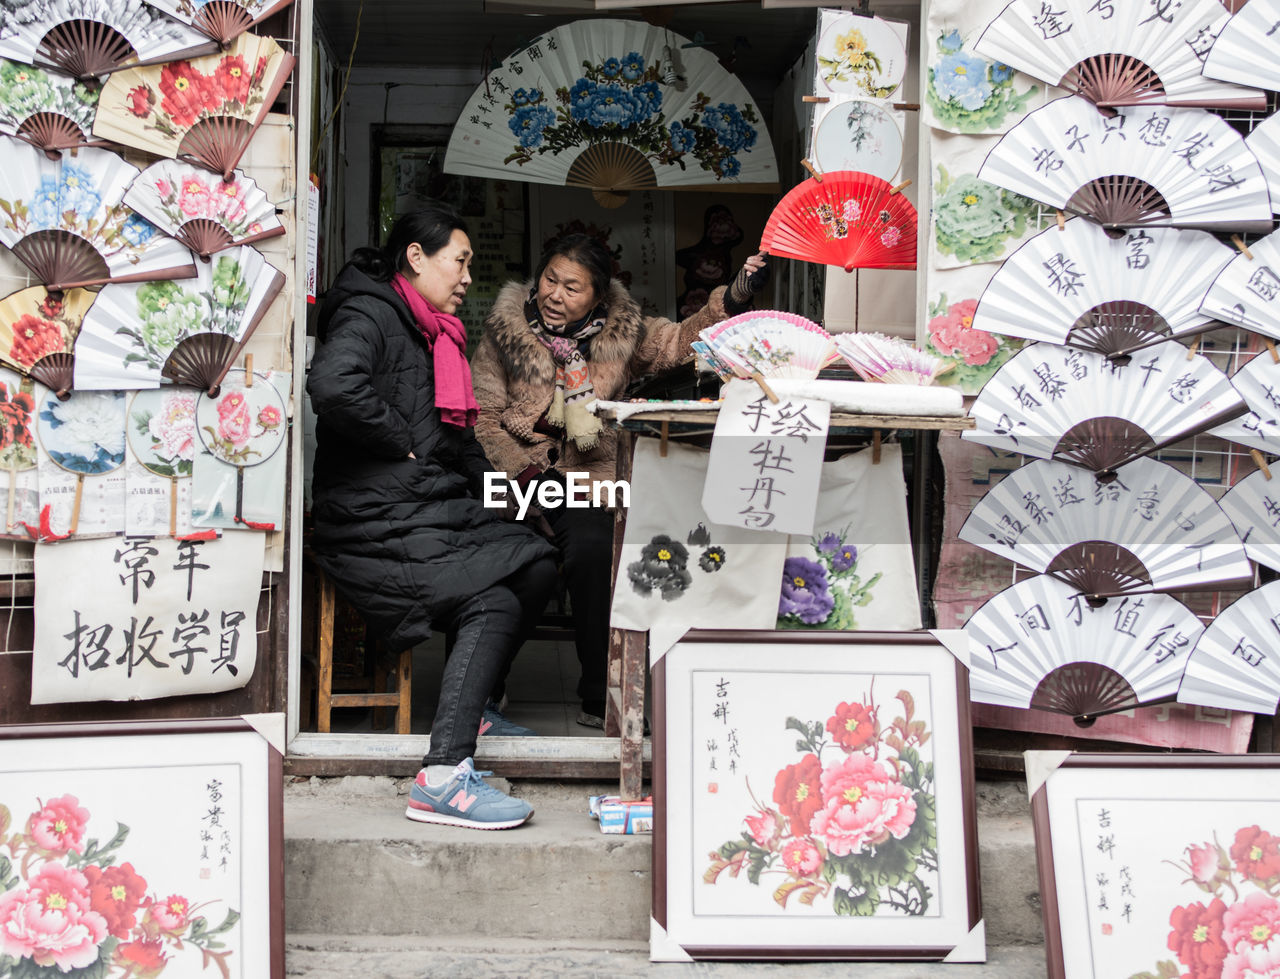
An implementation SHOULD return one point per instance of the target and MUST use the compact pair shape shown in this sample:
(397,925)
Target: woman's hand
(411,455)
(751,278)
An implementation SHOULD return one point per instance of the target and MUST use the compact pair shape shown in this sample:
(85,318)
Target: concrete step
(355,866)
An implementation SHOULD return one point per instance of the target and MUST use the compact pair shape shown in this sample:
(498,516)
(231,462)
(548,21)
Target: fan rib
(204,236)
(1100,569)
(51,131)
(61,259)
(222,20)
(201,361)
(86,48)
(1114,79)
(217,142)
(611,166)
(1103,443)
(55,371)
(1120,201)
(1114,328)
(1084,690)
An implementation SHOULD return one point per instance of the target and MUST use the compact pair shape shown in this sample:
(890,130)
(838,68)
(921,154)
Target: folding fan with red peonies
(222,20)
(48,109)
(771,344)
(204,110)
(851,219)
(38,331)
(1233,665)
(88,38)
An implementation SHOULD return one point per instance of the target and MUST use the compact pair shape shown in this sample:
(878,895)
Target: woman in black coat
(398,475)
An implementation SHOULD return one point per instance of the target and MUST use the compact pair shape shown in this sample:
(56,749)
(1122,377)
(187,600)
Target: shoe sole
(422,816)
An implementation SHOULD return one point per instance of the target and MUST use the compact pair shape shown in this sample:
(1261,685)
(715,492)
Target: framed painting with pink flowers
(132,849)
(813,798)
(1158,865)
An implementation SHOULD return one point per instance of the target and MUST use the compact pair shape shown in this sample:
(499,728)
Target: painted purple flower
(829,543)
(844,558)
(804,591)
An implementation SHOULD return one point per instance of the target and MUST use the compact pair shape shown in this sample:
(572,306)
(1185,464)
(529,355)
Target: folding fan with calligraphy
(769,343)
(203,110)
(1161,165)
(38,331)
(1118,53)
(187,332)
(1258,382)
(1264,143)
(1246,291)
(1234,665)
(1081,286)
(1152,528)
(1247,49)
(48,109)
(222,20)
(1253,507)
(1050,401)
(204,212)
(846,218)
(87,38)
(1041,644)
(64,219)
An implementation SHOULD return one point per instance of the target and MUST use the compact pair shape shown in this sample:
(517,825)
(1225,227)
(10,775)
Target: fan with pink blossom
(161,429)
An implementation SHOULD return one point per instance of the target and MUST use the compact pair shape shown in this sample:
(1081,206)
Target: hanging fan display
(204,212)
(1258,382)
(1246,292)
(63,218)
(769,343)
(857,134)
(1253,507)
(189,332)
(1040,644)
(850,219)
(891,360)
(222,20)
(243,426)
(204,110)
(1118,53)
(1234,664)
(161,431)
(1179,167)
(18,397)
(1152,528)
(83,436)
(588,105)
(87,38)
(1264,143)
(860,55)
(1050,401)
(1081,286)
(47,109)
(38,331)
(1247,48)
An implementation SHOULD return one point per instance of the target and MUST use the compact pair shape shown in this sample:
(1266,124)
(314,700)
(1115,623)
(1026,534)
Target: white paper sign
(133,618)
(766,460)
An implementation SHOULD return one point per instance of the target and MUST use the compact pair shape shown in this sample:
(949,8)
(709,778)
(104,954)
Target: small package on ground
(618,816)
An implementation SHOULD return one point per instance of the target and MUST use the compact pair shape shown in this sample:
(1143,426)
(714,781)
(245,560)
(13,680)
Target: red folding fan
(847,218)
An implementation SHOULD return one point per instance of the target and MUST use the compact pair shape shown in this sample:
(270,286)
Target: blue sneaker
(495,723)
(467,800)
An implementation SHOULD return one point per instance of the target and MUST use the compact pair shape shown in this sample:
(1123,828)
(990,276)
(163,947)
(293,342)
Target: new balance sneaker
(495,723)
(466,799)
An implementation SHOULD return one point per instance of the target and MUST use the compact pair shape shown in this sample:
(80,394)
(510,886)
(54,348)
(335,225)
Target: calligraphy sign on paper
(135,618)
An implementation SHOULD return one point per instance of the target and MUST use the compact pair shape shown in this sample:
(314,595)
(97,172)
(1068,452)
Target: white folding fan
(222,20)
(1050,401)
(1081,286)
(1246,292)
(770,343)
(1247,49)
(1258,383)
(38,332)
(891,360)
(188,332)
(1253,507)
(1152,528)
(1041,644)
(1118,53)
(48,109)
(86,38)
(64,219)
(1264,143)
(205,212)
(1235,665)
(1180,167)
(588,105)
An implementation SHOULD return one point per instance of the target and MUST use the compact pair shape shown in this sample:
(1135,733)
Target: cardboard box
(617,816)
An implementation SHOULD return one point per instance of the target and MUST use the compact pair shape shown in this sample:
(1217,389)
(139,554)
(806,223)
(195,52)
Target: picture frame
(1156,864)
(156,847)
(764,743)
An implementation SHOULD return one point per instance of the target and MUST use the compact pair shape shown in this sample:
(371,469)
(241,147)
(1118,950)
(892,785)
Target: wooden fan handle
(75,505)
(239,494)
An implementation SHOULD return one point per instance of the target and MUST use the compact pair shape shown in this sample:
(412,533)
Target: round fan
(17,442)
(1246,292)
(222,20)
(63,219)
(1234,665)
(876,357)
(161,429)
(203,212)
(850,219)
(1151,528)
(1253,507)
(1117,53)
(1082,286)
(1181,167)
(859,55)
(1264,143)
(587,104)
(189,332)
(1259,428)
(204,110)
(48,110)
(1049,401)
(83,434)
(242,426)
(1247,48)
(1041,644)
(770,344)
(38,331)
(87,38)
(857,134)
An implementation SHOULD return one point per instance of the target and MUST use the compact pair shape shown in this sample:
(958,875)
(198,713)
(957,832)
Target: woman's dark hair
(430,226)
(588,252)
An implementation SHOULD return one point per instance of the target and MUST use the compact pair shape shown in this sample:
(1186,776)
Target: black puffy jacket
(404,540)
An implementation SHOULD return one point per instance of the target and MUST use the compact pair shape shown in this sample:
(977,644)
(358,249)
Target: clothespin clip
(875,447)
(907,106)
(1244,249)
(902,186)
(815,98)
(768,391)
(248,370)
(1261,462)
(813,171)
(1062,219)
(1275,356)
(1191,351)
(662,445)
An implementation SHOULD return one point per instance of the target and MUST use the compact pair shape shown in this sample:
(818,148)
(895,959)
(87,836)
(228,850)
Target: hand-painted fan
(1258,383)
(857,134)
(850,219)
(1041,644)
(222,20)
(1247,48)
(38,332)
(859,55)
(1118,53)
(242,427)
(63,218)
(1246,292)
(161,430)
(1234,665)
(769,343)
(1083,287)
(189,332)
(87,38)
(1152,528)
(1179,167)
(204,110)
(17,441)
(205,213)
(877,357)
(83,435)
(47,109)
(1056,402)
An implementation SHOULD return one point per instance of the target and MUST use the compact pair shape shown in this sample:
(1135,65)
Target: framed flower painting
(813,798)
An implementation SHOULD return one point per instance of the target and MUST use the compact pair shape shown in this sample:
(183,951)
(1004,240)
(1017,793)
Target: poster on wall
(711,243)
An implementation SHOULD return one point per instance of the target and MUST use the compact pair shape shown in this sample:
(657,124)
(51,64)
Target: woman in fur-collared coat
(550,348)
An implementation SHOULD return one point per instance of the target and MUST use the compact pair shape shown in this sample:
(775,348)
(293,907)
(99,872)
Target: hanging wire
(351,57)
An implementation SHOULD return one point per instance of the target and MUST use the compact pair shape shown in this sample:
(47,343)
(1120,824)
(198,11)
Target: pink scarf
(454,397)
